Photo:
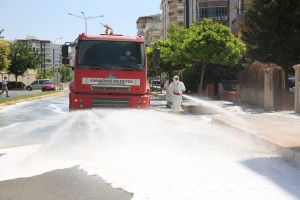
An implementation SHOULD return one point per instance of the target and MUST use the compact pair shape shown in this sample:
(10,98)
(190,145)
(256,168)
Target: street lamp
(85,18)
(53,58)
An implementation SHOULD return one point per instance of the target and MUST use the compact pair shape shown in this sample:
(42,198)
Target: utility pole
(85,18)
(53,58)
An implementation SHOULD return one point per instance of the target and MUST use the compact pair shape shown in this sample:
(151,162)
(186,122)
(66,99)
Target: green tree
(1,37)
(149,52)
(40,73)
(273,32)
(172,56)
(165,61)
(177,37)
(4,52)
(209,42)
(66,73)
(22,58)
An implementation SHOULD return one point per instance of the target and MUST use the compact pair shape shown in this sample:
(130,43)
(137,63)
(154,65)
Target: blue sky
(49,20)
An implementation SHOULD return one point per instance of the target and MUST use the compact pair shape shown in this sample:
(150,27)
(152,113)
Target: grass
(26,97)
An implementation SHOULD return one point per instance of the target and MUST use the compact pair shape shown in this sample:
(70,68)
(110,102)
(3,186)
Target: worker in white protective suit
(176,90)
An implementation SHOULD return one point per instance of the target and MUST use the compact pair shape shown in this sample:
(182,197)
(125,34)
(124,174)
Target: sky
(49,20)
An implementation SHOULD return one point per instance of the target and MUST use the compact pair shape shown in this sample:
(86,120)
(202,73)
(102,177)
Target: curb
(285,152)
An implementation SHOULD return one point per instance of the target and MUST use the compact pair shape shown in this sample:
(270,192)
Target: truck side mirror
(65,51)
(65,61)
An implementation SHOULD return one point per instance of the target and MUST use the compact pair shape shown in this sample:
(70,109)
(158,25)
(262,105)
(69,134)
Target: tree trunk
(16,76)
(204,64)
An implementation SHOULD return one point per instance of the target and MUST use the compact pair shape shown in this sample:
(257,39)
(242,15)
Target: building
(228,12)
(172,13)
(49,50)
(56,57)
(217,10)
(190,12)
(50,53)
(43,47)
(183,13)
(149,27)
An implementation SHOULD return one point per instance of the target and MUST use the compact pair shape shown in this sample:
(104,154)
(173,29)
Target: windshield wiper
(99,66)
(132,67)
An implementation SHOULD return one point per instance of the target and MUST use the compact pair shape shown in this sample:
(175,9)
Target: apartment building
(217,10)
(228,12)
(185,12)
(149,27)
(49,51)
(172,13)
(190,12)
(40,46)
(50,54)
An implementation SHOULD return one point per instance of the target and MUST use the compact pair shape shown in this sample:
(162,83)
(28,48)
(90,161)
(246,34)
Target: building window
(212,12)
(202,13)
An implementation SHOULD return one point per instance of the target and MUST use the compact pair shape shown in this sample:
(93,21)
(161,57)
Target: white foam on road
(154,155)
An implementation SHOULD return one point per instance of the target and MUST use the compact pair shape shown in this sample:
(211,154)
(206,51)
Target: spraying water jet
(200,106)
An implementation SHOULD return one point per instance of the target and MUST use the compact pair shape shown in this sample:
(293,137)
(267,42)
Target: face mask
(127,53)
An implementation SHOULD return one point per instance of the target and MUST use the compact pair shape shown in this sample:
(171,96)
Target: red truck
(109,71)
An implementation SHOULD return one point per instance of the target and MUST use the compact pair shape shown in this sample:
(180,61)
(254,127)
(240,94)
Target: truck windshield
(111,55)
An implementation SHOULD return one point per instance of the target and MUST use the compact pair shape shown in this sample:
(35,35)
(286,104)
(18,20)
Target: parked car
(155,85)
(12,84)
(48,85)
(291,83)
(37,84)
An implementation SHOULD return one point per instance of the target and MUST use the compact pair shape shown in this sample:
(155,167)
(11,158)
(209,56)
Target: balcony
(177,7)
(176,19)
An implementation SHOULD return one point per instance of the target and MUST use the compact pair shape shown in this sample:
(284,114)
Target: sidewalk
(279,130)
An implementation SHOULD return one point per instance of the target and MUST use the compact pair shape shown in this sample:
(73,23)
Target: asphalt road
(47,152)
(62,183)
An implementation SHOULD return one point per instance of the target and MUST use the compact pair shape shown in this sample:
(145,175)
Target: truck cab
(110,71)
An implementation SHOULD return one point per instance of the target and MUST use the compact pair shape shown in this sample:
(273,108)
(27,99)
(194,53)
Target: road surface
(48,152)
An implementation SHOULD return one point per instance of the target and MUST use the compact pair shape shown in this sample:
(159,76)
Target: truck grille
(110,87)
(110,102)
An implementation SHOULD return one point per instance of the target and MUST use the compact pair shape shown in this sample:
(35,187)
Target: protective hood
(176,79)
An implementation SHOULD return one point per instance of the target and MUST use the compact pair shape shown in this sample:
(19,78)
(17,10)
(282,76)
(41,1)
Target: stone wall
(287,100)
(252,95)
